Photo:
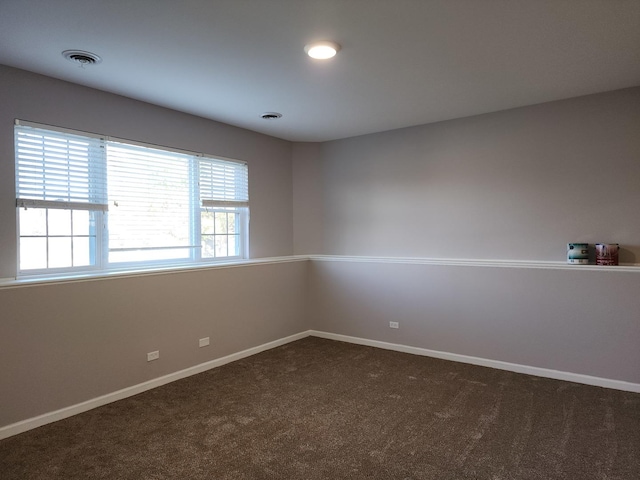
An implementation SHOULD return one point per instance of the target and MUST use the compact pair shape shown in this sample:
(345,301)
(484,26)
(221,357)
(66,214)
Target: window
(90,203)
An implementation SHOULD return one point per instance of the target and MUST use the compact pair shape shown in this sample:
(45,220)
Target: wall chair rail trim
(470,262)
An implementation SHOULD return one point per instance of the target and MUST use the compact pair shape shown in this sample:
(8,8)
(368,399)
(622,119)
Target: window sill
(27,281)
(103,275)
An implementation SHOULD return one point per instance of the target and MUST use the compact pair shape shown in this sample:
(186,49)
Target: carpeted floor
(320,409)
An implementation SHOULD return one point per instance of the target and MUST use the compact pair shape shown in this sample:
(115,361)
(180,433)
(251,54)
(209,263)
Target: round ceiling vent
(271,115)
(81,58)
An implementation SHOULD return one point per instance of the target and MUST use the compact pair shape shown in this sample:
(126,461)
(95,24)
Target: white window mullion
(101,226)
(194,210)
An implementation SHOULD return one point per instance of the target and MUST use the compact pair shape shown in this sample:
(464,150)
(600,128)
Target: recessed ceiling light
(322,50)
(81,57)
(270,115)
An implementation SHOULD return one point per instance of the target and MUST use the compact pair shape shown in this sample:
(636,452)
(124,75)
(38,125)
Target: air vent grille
(81,58)
(271,115)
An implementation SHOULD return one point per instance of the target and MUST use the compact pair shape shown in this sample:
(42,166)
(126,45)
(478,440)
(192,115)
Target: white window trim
(102,268)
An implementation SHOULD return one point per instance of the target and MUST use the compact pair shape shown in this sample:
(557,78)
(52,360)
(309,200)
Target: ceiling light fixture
(322,50)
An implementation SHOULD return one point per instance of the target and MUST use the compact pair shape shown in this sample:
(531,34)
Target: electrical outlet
(153,356)
(394,325)
(203,342)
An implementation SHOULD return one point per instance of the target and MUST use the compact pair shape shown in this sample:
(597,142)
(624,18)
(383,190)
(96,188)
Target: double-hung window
(90,203)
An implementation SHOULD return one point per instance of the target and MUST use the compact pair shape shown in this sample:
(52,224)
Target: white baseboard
(31,423)
(512,367)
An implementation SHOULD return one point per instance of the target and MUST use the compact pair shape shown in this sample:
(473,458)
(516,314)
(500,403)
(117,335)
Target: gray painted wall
(65,343)
(41,99)
(308,194)
(61,344)
(577,321)
(510,185)
(517,184)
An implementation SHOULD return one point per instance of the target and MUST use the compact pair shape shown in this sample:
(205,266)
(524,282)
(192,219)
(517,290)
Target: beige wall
(517,184)
(569,320)
(308,194)
(511,185)
(36,98)
(65,343)
(61,344)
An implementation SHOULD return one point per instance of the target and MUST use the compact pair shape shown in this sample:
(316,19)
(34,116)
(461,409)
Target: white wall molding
(107,275)
(484,362)
(40,420)
(470,262)
(44,419)
(456,262)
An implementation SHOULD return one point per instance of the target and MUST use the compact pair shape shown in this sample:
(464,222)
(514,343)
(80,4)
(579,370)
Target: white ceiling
(402,63)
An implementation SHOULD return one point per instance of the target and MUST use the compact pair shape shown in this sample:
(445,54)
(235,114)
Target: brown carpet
(320,409)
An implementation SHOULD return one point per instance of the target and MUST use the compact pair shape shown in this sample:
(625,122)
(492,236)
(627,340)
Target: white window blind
(223,184)
(59,169)
(146,205)
(150,196)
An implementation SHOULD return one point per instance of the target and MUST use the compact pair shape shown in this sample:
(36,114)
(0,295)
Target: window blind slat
(223,181)
(150,191)
(58,166)
(224,204)
(26,203)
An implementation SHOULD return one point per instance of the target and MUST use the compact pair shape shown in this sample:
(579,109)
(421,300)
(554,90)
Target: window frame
(196,206)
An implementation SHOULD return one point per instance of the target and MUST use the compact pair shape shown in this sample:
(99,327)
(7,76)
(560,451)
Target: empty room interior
(387,290)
